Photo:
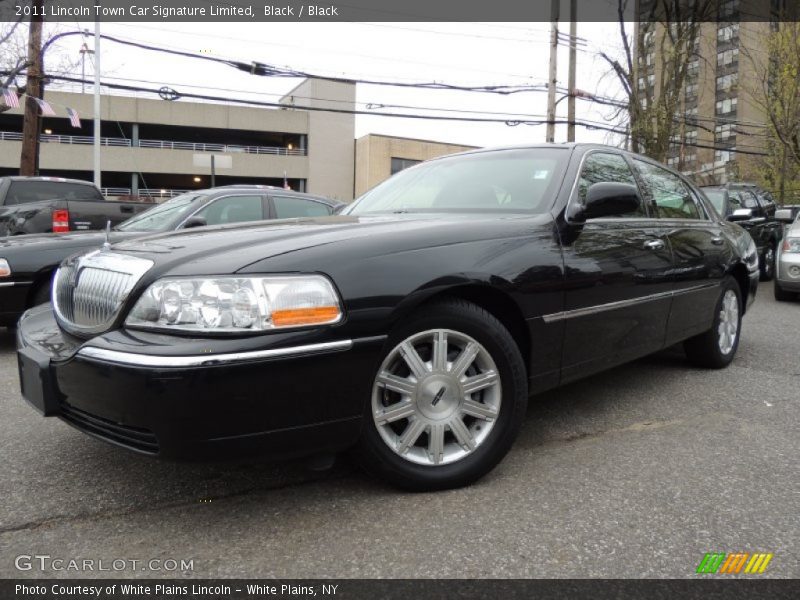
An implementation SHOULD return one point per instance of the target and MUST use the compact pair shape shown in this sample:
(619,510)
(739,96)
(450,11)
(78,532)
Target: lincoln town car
(411,329)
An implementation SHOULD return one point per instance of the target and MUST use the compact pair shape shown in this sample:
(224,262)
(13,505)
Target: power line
(588,124)
(267,70)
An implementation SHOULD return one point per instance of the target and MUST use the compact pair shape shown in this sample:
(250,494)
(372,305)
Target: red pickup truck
(53,204)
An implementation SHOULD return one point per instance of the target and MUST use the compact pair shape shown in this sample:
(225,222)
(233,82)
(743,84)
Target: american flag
(10,98)
(47,110)
(74,118)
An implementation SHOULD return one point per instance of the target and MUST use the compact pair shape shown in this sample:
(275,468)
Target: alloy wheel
(728,322)
(436,397)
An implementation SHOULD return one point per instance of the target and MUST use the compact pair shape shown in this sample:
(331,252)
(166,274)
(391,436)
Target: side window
(233,209)
(602,167)
(748,199)
(735,199)
(672,197)
(288,207)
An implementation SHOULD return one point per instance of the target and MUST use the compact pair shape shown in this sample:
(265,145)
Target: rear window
(20,192)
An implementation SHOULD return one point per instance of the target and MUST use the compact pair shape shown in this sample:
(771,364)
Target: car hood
(230,249)
(75,239)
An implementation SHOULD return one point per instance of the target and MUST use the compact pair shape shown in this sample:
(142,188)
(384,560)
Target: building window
(728,9)
(398,164)
(723,132)
(728,32)
(690,136)
(723,156)
(693,67)
(726,83)
(727,106)
(728,57)
(691,91)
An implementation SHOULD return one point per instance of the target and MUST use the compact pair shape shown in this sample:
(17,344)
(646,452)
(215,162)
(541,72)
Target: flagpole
(97,101)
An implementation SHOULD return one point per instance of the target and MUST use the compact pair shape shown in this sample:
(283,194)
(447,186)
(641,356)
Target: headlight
(237,304)
(5,269)
(791,244)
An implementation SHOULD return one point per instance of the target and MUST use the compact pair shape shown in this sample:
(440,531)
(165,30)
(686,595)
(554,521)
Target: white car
(787,273)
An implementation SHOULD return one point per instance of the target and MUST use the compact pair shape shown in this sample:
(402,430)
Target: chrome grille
(89,290)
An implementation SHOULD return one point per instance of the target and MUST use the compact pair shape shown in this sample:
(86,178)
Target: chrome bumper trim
(167,362)
(591,310)
(13,283)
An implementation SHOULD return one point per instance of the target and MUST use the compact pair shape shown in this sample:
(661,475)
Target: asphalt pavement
(637,472)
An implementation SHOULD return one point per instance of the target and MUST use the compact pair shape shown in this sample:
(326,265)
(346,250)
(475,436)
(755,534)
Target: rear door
(618,279)
(700,250)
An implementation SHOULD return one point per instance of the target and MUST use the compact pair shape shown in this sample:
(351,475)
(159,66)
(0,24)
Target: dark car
(53,204)
(754,209)
(29,261)
(414,326)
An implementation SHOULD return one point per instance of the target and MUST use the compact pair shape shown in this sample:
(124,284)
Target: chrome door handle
(654,244)
(717,241)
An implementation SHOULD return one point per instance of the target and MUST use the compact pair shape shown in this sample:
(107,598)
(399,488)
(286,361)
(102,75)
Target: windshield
(717,198)
(521,180)
(161,217)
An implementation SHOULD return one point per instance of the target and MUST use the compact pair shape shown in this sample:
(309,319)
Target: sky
(456,53)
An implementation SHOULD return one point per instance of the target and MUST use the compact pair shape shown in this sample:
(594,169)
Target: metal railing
(151,193)
(13,136)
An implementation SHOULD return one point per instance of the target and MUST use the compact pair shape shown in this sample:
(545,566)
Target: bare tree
(654,63)
(775,91)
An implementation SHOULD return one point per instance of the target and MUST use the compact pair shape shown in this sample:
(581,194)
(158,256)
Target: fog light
(794,271)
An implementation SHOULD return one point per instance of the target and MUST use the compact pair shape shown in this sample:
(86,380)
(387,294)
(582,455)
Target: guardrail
(152,193)
(13,136)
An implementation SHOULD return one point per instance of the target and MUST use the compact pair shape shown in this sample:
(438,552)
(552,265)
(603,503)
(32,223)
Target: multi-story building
(159,148)
(378,157)
(720,123)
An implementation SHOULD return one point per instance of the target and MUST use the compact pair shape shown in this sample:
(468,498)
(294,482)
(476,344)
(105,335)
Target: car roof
(216,191)
(44,178)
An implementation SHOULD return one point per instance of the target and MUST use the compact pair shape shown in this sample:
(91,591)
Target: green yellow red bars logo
(734,562)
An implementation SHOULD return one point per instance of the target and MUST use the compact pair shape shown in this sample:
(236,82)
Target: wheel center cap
(438,397)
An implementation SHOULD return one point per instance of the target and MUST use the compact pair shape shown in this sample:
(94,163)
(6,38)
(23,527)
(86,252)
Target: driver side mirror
(606,199)
(741,214)
(194,222)
(784,215)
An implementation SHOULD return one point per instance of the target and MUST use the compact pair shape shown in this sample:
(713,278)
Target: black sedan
(27,263)
(412,328)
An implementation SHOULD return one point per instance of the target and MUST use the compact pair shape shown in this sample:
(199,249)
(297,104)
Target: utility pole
(551,84)
(31,123)
(573,51)
(96,161)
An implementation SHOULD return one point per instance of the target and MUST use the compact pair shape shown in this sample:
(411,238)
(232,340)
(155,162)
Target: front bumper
(139,391)
(788,262)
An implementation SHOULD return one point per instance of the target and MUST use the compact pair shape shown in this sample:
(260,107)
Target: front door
(618,280)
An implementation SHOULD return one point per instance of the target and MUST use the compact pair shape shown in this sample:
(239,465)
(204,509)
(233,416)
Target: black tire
(766,263)
(379,460)
(781,295)
(704,350)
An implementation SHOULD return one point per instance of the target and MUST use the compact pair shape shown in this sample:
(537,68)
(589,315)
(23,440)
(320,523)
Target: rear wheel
(767,265)
(447,401)
(781,295)
(716,347)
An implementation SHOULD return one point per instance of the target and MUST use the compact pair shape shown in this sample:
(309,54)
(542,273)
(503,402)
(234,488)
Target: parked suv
(754,209)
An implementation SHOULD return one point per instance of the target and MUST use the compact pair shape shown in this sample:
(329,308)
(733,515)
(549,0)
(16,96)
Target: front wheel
(767,266)
(447,400)
(716,347)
